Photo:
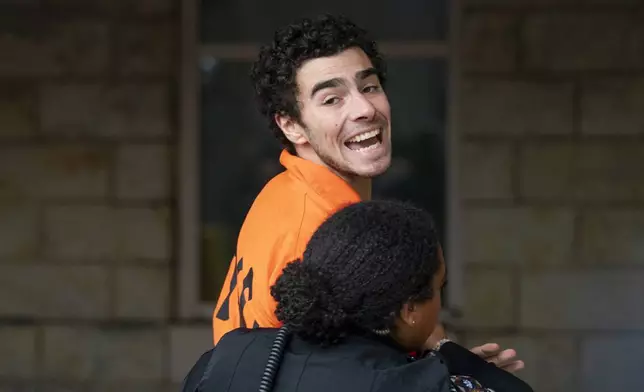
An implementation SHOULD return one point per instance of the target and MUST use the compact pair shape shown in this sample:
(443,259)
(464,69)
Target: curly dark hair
(359,268)
(274,73)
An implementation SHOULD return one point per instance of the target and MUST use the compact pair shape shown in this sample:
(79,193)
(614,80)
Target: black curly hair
(359,268)
(274,73)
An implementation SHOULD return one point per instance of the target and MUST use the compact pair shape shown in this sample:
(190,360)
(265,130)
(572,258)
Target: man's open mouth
(365,141)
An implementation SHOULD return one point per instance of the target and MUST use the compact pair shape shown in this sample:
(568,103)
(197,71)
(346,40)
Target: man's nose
(361,108)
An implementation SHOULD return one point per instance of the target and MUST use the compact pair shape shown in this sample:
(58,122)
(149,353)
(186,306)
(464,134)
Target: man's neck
(361,185)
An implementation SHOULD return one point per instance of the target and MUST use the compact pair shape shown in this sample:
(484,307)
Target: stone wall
(88,118)
(552,154)
(552,177)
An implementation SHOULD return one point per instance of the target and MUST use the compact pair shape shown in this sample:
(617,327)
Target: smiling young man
(320,85)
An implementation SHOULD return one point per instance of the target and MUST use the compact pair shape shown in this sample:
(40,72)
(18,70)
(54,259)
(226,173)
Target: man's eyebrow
(335,82)
(365,73)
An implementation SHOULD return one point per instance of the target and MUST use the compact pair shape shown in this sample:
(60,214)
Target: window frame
(189,304)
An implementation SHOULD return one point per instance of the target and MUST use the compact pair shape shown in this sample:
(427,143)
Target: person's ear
(292,129)
(409,314)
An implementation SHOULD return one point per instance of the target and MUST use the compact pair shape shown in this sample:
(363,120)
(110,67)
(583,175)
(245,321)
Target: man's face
(345,115)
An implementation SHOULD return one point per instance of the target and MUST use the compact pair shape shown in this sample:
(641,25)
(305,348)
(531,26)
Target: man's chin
(374,169)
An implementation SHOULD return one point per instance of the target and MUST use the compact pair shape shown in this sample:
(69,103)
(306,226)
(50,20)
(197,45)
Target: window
(227,153)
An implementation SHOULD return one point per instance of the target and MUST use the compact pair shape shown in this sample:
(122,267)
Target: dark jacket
(358,364)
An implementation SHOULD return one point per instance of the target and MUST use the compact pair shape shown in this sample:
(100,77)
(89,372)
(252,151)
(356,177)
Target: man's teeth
(364,136)
(371,147)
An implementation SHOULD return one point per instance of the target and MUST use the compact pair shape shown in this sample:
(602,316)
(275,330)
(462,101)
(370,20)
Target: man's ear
(293,131)
(408,314)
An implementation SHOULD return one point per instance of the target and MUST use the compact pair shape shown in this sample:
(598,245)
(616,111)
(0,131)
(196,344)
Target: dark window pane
(239,154)
(255,20)
(417,94)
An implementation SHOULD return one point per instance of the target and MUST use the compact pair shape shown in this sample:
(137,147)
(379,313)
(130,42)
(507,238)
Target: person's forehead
(345,65)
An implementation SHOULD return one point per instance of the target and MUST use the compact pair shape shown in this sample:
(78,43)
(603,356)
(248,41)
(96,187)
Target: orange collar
(328,185)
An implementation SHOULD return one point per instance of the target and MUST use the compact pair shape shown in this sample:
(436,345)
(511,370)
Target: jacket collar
(326,184)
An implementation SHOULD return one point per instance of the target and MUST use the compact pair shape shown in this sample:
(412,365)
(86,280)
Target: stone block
(516,108)
(485,170)
(79,6)
(156,386)
(148,7)
(17,111)
(17,351)
(45,291)
(489,298)
(591,171)
(143,172)
(117,111)
(613,106)
(18,231)
(147,49)
(618,359)
(97,385)
(584,41)
(86,354)
(90,233)
(187,344)
(20,2)
(489,42)
(521,235)
(54,171)
(129,7)
(17,385)
(612,237)
(44,46)
(84,233)
(583,300)
(143,293)
(146,233)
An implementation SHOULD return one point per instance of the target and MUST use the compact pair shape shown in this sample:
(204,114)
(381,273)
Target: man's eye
(371,89)
(331,101)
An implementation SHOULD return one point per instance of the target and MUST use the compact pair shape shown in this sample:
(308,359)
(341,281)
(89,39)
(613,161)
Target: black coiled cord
(274,360)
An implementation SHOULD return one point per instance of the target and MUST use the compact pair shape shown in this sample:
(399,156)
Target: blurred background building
(130,149)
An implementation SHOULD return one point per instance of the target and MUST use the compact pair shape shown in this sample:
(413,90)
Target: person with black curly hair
(320,84)
(366,292)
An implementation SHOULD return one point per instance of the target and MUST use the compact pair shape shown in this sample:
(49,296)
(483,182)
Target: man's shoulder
(282,189)
(283,207)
